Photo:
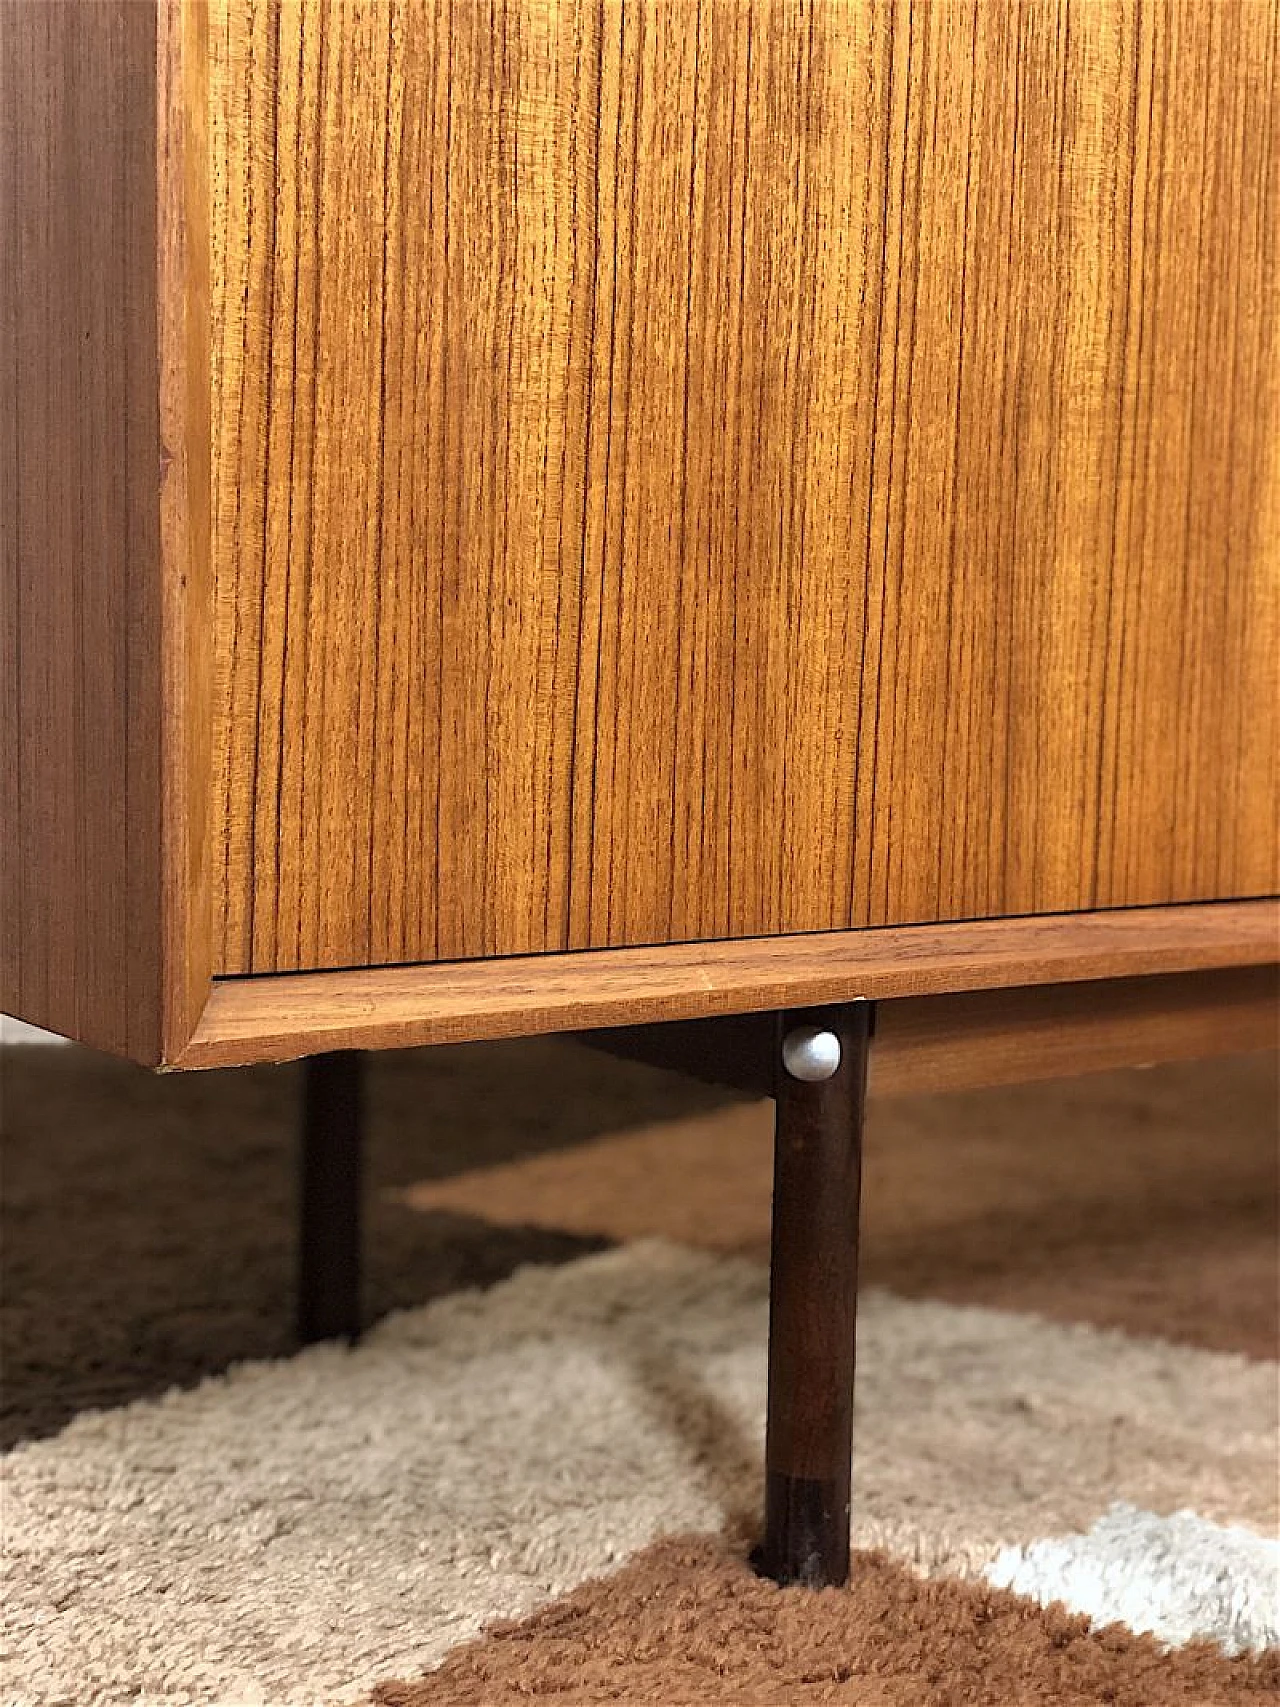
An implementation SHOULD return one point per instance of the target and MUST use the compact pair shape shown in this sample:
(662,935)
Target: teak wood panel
(105,906)
(400,1007)
(1006,1037)
(695,470)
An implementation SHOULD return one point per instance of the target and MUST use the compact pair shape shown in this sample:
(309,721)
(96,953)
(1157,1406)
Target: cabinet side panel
(80,838)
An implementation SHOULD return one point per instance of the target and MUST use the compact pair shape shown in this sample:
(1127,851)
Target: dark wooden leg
(329,1218)
(813,1296)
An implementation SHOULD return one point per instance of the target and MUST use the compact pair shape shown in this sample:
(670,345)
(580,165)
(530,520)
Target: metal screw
(811,1054)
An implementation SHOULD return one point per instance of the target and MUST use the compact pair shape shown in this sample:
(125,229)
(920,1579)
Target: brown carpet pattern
(148,1243)
(689,1623)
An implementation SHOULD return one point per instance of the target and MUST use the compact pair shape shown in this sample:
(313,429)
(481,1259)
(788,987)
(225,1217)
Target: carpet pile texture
(537,1476)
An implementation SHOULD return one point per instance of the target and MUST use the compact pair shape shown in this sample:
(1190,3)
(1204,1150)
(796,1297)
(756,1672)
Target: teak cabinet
(493,499)
(580,513)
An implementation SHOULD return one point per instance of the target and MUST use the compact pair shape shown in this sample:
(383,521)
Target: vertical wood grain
(103,923)
(686,470)
(81,918)
(184,571)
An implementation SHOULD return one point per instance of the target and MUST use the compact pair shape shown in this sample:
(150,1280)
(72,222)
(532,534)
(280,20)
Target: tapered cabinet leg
(329,1217)
(820,1091)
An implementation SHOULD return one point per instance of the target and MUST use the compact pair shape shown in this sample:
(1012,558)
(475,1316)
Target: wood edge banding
(185,733)
(281,1017)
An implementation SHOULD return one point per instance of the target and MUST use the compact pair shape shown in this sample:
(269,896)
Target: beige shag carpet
(537,1477)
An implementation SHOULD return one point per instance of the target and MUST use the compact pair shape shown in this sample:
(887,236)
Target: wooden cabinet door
(702,470)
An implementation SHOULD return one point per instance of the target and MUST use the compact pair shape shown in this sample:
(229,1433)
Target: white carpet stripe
(294,1531)
(1173,1577)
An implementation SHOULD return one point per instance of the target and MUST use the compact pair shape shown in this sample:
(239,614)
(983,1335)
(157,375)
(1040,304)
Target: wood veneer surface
(105,911)
(396,1007)
(998,1037)
(700,471)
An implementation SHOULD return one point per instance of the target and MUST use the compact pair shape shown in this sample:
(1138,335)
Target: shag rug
(537,1478)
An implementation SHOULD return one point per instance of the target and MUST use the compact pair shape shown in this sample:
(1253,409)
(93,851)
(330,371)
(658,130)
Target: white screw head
(811,1054)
